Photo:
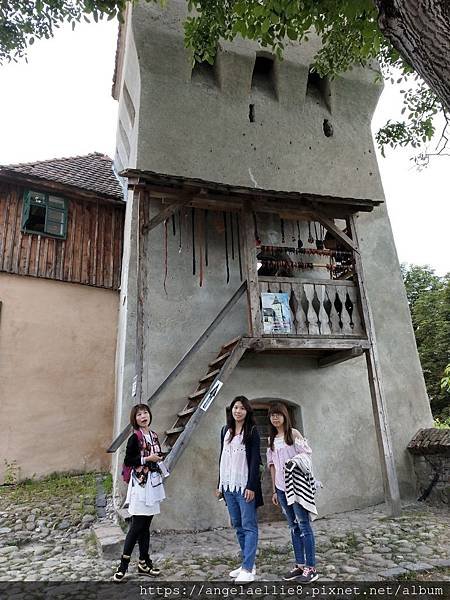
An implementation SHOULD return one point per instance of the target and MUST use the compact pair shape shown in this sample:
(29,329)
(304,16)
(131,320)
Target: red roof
(93,172)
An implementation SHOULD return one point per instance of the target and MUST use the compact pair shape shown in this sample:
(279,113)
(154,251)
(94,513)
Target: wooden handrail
(119,440)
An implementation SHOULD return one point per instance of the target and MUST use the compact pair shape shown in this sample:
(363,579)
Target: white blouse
(145,500)
(233,465)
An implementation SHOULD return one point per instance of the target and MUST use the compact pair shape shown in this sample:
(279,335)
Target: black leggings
(139,532)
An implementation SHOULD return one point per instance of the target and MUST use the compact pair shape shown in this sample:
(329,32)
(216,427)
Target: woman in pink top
(285,443)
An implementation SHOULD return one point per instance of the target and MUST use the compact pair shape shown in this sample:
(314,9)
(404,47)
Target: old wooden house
(265,266)
(61,236)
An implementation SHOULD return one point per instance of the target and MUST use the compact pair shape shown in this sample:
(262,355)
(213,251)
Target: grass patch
(437,574)
(58,486)
(108,484)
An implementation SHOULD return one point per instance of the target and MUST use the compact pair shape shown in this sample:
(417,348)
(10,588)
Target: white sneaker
(236,572)
(245,576)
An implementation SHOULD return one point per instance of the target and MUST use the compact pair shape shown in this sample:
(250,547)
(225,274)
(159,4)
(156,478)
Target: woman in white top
(145,490)
(283,444)
(239,482)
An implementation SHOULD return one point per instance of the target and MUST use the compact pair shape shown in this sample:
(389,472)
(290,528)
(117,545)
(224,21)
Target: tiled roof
(93,172)
(430,441)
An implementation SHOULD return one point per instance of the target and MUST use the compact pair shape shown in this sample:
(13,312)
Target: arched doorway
(269,512)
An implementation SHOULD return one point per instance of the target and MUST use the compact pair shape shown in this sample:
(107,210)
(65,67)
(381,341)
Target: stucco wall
(57,344)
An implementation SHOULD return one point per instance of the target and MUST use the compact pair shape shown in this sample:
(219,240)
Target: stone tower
(251,121)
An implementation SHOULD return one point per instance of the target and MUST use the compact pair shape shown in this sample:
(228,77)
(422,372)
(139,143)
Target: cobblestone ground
(49,537)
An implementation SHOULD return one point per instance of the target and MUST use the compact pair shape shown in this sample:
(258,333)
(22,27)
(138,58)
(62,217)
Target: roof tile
(93,172)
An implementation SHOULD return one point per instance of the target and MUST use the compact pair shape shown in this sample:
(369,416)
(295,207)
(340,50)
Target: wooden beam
(339,357)
(253,294)
(141,284)
(307,342)
(299,280)
(164,214)
(379,408)
(340,235)
(183,440)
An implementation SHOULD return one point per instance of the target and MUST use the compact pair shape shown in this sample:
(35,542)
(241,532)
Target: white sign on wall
(208,399)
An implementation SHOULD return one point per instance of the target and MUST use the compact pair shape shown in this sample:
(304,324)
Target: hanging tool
(232,236)
(319,242)
(310,237)
(226,247)
(193,239)
(239,245)
(299,241)
(282,230)
(257,238)
(174,231)
(293,231)
(205,224)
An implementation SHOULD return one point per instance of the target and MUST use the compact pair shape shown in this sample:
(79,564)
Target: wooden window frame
(28,202)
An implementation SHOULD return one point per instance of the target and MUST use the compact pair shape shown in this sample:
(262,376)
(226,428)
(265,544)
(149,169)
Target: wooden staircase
(198,402)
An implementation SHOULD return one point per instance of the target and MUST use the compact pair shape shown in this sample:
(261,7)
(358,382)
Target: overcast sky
(60,104)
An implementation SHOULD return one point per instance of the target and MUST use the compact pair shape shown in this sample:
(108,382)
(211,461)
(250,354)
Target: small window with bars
(44,214)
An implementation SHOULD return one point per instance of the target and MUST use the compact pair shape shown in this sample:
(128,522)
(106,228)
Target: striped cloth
(300,484)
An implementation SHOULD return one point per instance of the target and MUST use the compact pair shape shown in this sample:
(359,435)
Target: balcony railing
(311,308)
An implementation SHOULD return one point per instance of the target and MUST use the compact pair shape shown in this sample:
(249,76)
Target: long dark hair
(249,422)
(280,409)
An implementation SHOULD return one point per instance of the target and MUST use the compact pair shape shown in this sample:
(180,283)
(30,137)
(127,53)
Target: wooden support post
(253,295)
(340,235)
(389,472)
(141,284)
(339,357)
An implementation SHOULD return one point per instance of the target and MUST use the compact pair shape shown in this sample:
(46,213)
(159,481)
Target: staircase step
(174,430)
(187,411)
(220,359)
(231,343)
(209,376)
(198,394)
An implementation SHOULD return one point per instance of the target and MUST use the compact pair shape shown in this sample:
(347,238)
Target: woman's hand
(249,495)
(218,494)
(153,458)
(275,498)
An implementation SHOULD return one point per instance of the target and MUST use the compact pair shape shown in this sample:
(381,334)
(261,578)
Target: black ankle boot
(122,569)
(145,567)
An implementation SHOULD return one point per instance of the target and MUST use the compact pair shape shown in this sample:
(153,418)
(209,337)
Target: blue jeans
(302,534)
(243,518)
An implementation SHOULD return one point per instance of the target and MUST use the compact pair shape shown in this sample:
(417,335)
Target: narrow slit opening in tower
(318,89)
(263,79)
(203,73)
(251,113)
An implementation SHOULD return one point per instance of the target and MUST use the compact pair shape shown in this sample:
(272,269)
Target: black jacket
(253,453)
(133,451)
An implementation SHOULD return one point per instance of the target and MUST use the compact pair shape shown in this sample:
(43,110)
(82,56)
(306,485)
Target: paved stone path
(53,540)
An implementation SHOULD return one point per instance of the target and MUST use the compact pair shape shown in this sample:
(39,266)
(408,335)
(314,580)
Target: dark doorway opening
(268,512)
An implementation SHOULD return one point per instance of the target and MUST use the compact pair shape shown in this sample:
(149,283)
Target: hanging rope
(226,247)
(193,239)
(206,236)
(239,245)
(200,250)
(166,257)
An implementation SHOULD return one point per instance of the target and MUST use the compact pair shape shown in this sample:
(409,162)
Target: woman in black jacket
(145,490)
(240,483)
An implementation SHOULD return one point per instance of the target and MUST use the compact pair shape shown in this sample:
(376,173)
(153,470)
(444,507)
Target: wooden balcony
(319,310)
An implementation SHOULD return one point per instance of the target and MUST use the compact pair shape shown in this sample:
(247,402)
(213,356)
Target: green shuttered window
(45,214)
